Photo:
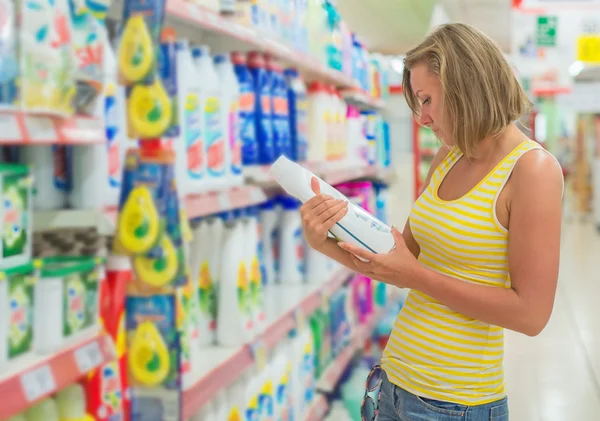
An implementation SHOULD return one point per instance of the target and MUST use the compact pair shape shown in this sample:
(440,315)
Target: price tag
(9,128)
(259,352)
(40,129)
(224,201)
(38,382)
(88,357)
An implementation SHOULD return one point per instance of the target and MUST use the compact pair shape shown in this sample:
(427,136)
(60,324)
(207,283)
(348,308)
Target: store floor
(556,375)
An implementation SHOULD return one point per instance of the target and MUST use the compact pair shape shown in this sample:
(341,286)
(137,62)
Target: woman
(480,250)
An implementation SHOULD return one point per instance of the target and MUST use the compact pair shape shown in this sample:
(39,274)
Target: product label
(112,132)
(301,128)
(60,173)
(215,142)
(207,295)
(243,295)
(20,314)
(110,386)
(265,403)
(235,144)
(247,125)
(194,144)
(15,216)
(77,298)
(282,400)
(256,289)
(234,414)
(299,245)
(252,411)
(307,374)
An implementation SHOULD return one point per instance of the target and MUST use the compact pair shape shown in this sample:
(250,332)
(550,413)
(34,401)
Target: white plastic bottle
(291,243)
(340,116)
(317,267)
(213,129)
(201,273)
(235,324)
(251,236)
(49,167)
(281,382)
(269,219)
(214,262)
(230,104)
(357,227)
(190,154)
(318,130)
(115,117)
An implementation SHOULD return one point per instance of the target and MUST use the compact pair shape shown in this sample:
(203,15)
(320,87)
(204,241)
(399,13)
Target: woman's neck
(490,147)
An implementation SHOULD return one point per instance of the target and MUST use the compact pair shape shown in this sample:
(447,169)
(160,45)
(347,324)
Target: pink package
(359,189)
(362,296)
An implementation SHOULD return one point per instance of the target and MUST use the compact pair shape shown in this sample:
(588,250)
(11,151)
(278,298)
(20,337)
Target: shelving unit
(27,128)
(37,378)
(226,365)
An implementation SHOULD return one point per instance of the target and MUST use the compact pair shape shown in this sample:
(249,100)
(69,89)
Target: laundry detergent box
(153,357)
(16,313)
(15,215)
(47,63)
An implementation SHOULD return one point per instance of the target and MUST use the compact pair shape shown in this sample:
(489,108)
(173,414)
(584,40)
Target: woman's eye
(427,101)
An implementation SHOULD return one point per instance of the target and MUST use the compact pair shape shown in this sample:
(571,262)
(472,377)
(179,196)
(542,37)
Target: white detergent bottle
(45,410)
(357,227)
(269,221)
(201,271)
(214,138)
(252,233)
(291,243)
(115,123)
(230,104)
(317,267)
(49,167)
(71,403)
(235,325)
(190,168)
(215,254)
(317,120)
(281,379)
(251,395)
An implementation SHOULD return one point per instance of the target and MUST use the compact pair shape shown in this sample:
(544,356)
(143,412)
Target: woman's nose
(425,120)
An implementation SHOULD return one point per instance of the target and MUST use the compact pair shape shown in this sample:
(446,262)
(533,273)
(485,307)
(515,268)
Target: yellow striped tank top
(435,352)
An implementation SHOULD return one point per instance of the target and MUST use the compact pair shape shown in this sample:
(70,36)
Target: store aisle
(556,376)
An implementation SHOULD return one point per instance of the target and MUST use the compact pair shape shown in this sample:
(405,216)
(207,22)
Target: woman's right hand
(319,215)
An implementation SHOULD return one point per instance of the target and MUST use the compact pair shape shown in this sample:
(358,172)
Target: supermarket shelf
(334,372)
(224,366)
(42,377)
(318,409)
(331,172)
(363,100)
(20,127)
(105,220)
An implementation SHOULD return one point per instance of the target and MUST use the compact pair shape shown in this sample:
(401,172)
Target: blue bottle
(297,102)
(262,109)
(281,122)
(247,104)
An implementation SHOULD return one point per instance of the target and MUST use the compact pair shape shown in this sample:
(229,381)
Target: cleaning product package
(357,227)
(291,243)
(50,169)
(46,57)
(9,66)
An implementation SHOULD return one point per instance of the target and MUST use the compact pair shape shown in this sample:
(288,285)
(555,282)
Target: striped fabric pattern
(433,351)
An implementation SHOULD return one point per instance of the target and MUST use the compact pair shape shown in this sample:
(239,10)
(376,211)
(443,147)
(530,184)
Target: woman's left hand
(398,267)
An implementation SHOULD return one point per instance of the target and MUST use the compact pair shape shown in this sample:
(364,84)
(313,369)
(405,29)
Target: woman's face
(428,88)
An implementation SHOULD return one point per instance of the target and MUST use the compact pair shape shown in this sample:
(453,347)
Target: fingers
(314,184)
(315,201)
(359,252)
(325,206)
(334,215)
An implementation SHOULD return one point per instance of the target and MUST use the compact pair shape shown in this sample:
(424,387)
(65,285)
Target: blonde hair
(481,93)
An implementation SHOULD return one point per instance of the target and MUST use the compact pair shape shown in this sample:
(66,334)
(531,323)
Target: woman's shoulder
(537,168)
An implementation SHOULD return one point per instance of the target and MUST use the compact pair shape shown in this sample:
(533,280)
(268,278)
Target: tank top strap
(442,169)
(502,172)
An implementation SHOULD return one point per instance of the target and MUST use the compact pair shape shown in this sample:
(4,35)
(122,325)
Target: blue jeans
(397,404)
